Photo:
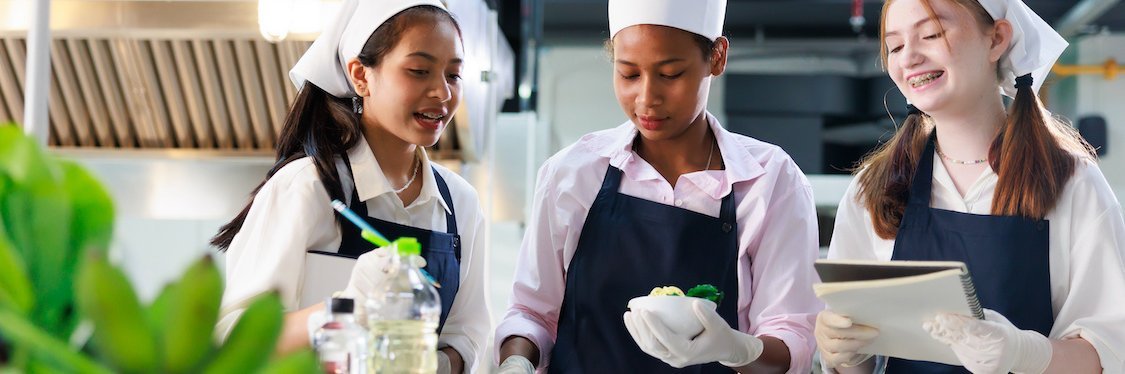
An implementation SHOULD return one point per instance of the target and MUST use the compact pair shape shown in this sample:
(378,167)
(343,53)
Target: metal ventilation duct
(216,93)
(133,74)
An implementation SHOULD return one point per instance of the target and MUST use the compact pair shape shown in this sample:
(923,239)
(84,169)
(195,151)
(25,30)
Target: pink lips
(927,84)
(650,122)
(427,123)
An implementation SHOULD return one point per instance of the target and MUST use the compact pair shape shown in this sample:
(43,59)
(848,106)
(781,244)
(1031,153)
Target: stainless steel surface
(219,93)
(37,74)
(153,74)
(186,74)
(1082,14)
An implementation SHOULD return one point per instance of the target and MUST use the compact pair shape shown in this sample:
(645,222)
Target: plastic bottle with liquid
(341,344)
(404,318)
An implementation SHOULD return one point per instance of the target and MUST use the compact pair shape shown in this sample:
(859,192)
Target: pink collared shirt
(777,233)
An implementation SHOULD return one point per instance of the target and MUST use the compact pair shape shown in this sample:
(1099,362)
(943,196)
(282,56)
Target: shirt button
(679,202)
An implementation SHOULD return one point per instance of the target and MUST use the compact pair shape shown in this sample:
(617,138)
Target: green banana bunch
(121,335)
(253,338)
(56,222)
(192,310)
(36,212)
(15,288)
(297,363)
(157,312)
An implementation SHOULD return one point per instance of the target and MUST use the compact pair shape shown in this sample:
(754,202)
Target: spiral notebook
(896,297)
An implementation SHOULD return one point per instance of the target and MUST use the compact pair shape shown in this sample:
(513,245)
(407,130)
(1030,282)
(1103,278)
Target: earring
(357,105)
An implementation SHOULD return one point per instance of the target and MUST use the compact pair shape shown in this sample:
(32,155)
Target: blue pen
(368,233)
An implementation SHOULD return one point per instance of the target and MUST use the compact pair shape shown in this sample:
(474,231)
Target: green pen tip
(374,238)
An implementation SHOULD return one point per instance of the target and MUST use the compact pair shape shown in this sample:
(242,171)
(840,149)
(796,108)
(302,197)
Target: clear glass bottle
(341,344)
(404,318)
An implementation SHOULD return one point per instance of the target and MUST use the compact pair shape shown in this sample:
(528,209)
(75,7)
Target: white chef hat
(325,63)
(1035,45)
(703,17)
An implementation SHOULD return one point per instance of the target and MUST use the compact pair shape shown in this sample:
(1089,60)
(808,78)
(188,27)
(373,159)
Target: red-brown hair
(1033,155)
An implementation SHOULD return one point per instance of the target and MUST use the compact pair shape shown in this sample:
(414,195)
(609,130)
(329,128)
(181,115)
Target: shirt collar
(371,182)
(740,164)
(942,177)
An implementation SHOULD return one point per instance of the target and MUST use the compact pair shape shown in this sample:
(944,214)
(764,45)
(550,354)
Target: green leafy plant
(56,222)
(706,291)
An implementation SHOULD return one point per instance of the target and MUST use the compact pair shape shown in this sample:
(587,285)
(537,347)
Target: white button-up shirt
(1087,251)
(292,214)
(777,233)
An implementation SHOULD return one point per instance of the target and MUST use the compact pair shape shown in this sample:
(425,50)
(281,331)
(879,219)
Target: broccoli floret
(706,291)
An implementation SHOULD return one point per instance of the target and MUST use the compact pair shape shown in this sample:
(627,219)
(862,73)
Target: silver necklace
(412,176)
(709,154)
(956,161)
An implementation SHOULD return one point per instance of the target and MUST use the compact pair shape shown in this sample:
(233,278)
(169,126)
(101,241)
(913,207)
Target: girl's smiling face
(942,59)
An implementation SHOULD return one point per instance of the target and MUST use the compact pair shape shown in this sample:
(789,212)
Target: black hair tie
(1024,81)
(912,110)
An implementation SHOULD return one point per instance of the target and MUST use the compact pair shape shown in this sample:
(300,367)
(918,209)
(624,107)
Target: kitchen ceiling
(196,74)
(579,21)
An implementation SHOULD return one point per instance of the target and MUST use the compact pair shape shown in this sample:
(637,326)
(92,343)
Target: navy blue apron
(628,246)
(442,250)
(1006,255)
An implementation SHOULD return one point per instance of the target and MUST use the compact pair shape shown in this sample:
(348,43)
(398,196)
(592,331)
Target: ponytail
(319,126)
(1033,156)
(884,184)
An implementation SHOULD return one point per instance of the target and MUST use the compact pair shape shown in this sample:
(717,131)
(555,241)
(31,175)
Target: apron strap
(450,217)
(360,208)
(611,182)
(921,185)
(727,212)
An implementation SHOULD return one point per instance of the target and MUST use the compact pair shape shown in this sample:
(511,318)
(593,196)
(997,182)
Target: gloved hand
(443,366)
(717,342)
(314,322)
(992,345)
(839,340)
(516,364)
(370,274)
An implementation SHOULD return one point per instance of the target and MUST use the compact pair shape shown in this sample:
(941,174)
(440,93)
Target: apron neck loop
(921,185)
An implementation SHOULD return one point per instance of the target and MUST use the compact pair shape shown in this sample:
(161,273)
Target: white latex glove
(371,273)
(516,364)
(992,345)
(443,366)
(717,342)
(839,340)
(314,322)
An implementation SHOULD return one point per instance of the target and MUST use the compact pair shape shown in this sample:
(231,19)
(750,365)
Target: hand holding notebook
(993,345)
(897,298)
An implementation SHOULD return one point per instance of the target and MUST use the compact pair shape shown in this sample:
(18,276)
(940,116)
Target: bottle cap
(408,246)
(341,305)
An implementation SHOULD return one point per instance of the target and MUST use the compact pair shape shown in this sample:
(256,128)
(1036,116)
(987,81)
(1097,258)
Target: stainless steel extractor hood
(158,75)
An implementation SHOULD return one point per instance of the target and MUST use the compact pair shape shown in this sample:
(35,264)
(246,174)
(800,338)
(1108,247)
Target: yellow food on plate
(666,291)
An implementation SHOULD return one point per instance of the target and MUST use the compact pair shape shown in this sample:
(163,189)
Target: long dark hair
(1034,155)
(323,127)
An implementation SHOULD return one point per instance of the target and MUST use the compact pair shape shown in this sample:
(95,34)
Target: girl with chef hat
(376,87)
(1012,192)
(667,198)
